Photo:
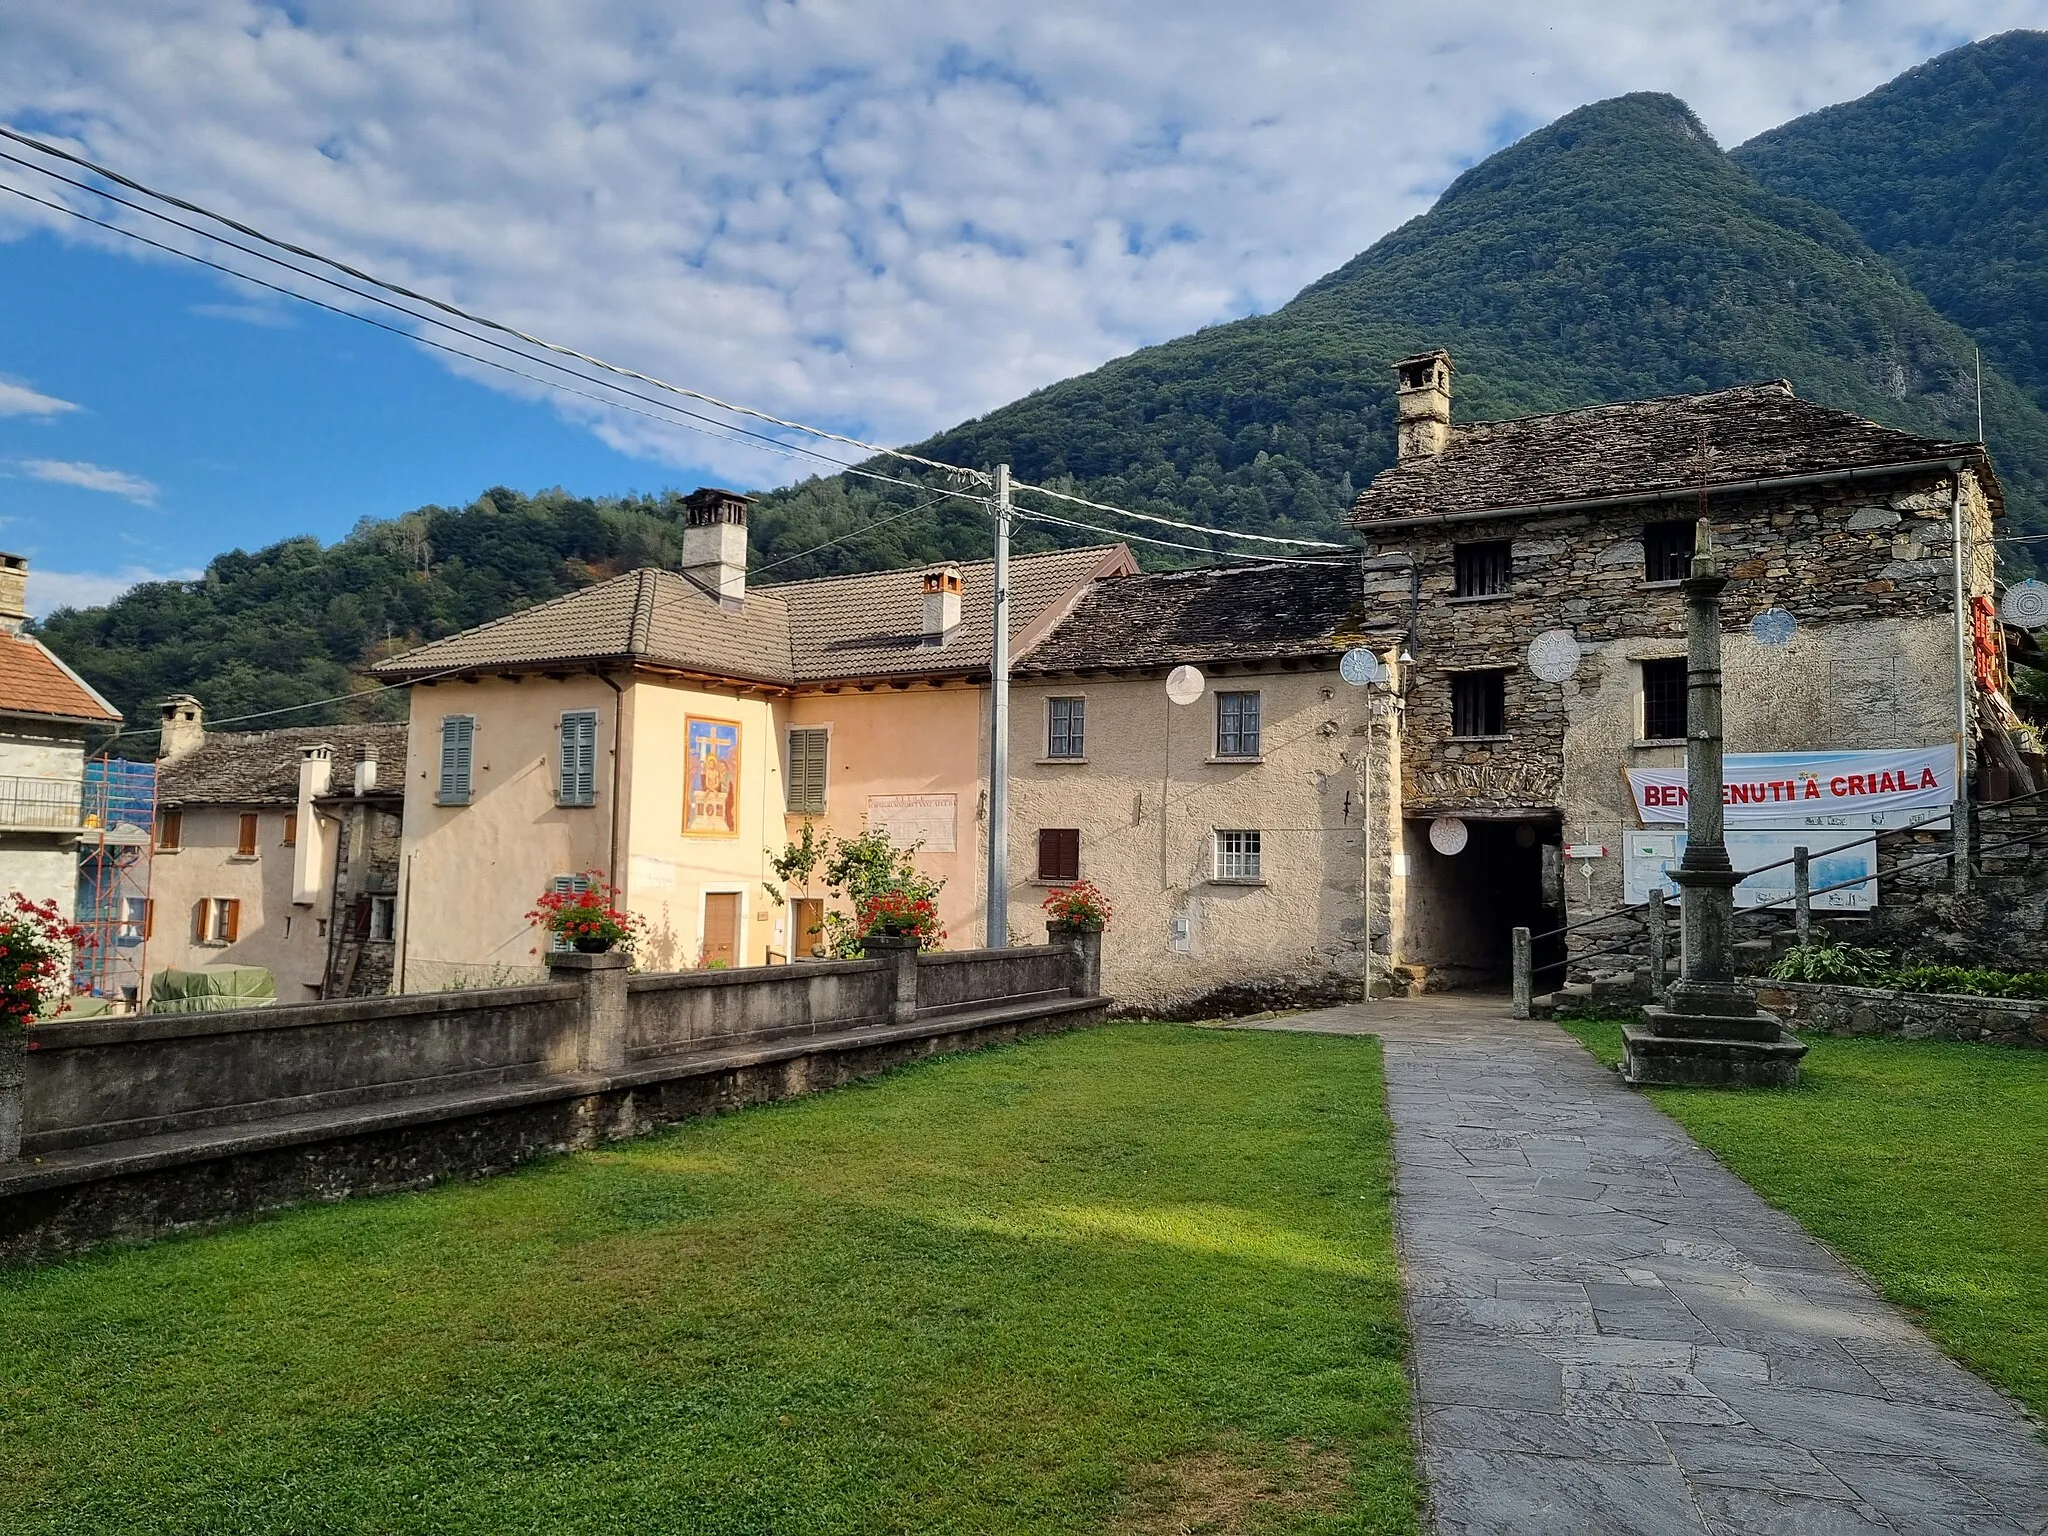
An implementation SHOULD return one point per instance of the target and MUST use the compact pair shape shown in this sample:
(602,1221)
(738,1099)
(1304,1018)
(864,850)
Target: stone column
(13,1072)
(901,954)
(602,979)
(1086,945)
(1709,1029)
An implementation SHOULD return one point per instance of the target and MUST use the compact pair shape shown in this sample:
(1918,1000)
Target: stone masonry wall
(1825,1010)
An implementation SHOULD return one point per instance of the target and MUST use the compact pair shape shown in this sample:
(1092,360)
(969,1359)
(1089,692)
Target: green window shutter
(565,883)
(458,738)
(806,786)
(578,784)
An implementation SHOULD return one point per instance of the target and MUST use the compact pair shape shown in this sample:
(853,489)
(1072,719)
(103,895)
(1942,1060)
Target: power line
(1168,522)
(462,314)
(1143,538)
(853,534)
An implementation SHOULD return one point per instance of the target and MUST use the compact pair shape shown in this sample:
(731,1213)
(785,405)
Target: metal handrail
(57,805)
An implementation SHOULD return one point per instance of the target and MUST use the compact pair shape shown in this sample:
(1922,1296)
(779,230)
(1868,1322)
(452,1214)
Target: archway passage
(1463,908)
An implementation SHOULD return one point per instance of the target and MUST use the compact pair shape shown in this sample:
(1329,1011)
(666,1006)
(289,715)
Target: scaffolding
(113,878)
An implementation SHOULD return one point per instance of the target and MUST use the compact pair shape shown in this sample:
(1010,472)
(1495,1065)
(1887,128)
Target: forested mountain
(1616,253)
(1945,171)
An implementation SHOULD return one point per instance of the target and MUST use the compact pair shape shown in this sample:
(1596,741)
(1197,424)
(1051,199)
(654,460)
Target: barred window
(1664,698)
(1482,569)
(1478,703)
(1237,856)
(1066,727)
(1667,550)
(1237,725)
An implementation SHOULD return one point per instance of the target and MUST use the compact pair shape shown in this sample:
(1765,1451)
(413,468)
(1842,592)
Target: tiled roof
(863,626)
(1757,431)
(1233,613)
(262,767)
(34,682)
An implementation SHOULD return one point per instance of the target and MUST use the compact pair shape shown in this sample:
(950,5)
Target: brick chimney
(184,727)
(1423,404)
(13,593)
(942,588)
(715,543)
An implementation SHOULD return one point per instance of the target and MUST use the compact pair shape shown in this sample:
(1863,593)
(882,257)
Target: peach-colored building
(671,731)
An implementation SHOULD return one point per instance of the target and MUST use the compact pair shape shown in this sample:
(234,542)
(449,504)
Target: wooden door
(806,926)
(721,928)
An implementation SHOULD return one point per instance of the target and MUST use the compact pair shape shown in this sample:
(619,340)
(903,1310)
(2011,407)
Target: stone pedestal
(1086,944)
(603,981)
(901,953)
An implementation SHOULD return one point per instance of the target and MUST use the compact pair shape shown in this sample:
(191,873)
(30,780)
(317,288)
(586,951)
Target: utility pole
(998,936)
(1959,821)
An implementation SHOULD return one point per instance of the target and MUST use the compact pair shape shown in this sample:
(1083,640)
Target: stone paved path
(1615,1334)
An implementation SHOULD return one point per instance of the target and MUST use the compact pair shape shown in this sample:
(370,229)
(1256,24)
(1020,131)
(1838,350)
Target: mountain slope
(1945,171)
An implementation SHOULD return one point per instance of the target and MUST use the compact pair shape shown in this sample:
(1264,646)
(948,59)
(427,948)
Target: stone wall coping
(133,1028)
(962,956)
(107,1160)
(803,970)
(2022,1005)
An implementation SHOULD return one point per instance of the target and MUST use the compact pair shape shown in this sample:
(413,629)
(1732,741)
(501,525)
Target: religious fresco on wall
(711,777)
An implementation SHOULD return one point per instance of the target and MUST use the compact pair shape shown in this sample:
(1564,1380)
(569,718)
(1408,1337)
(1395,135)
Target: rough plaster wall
(33,754)
(40,869)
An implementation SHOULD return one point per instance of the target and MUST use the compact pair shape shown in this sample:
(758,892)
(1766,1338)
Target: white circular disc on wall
(1774,626)
(1360,667)
(1554,655)
(1184,685)
(1447,835)
(2026,604)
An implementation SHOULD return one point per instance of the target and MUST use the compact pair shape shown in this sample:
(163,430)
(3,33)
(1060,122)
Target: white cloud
(89,477)
(20,400)
(50,590)
(895,215)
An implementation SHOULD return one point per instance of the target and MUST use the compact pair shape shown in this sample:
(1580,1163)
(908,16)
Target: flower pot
(587,945)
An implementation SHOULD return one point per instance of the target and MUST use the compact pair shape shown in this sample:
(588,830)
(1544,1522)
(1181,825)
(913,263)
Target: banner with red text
(1889,788)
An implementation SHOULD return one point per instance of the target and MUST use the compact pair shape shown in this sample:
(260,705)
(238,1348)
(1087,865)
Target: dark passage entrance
(1463,907)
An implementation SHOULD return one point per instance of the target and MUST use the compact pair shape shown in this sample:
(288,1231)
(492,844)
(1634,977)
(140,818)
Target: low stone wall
(134,1127)
(1814,1009)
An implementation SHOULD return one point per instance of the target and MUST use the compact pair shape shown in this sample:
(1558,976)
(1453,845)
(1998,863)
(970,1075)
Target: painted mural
(711,784)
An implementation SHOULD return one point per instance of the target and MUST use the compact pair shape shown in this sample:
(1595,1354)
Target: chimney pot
(184,727)
(13,593)
(715,542)
(943,585)
(1423,404)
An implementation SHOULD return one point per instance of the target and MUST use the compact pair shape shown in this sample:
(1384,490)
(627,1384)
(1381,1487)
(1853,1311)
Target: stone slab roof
(1257,612)
(1756,431)
(837,627)
(262,767)
(34,683)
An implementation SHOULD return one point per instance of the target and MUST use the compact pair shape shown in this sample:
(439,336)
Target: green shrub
(1843,965)
(1970,981)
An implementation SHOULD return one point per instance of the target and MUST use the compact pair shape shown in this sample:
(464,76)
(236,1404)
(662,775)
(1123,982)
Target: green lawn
(1137,1279)
(1925,1164)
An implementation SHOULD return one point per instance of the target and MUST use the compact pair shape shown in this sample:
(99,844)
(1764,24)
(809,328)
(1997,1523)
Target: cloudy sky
(883,218)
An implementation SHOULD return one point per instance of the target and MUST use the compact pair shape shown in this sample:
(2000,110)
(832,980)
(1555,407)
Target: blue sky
(884,219)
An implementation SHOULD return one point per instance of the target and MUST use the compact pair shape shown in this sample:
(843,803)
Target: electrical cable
(852,534)
(1168,522)
(1217,556)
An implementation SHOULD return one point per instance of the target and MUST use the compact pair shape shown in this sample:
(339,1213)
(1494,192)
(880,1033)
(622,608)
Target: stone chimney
(366,772)
(1423,404)
(309,858)
(715,543)
(942,588)
(184,728)
(13,593)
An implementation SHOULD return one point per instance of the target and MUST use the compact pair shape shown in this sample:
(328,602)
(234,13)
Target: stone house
(277,849)
(670,731)
(46,710)
(1577,525)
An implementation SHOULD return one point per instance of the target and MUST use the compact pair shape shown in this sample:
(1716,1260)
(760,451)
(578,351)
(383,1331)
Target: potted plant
(900,914)
(36,945)
(1079,907)
(588,920)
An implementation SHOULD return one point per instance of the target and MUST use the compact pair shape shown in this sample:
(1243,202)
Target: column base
(1650,1058)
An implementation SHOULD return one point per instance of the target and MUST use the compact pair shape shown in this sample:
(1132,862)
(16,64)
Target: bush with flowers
(900,915)
(36,945)
(590,919)
(1079,905)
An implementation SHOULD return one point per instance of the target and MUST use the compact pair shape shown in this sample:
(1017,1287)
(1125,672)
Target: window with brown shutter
(1059,854)
(148,918)
(170,831)
(245,842)
(231,925)
(291,828)
(201,909)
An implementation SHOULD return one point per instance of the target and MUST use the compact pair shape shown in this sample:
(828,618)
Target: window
(383,918)
(1059,854)
(245,839)
(1237,725)
(1478,703)
(805,794)
(291,829)
(1482,569)
(1237,856)
(1667,550)
(458,741)
(577,784)
(170,831)
(556,943)
(137,921)
(1664,699)
(217,920)
(1066,722)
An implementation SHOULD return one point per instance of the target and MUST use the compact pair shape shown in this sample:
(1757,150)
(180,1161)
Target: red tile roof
(34,682)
